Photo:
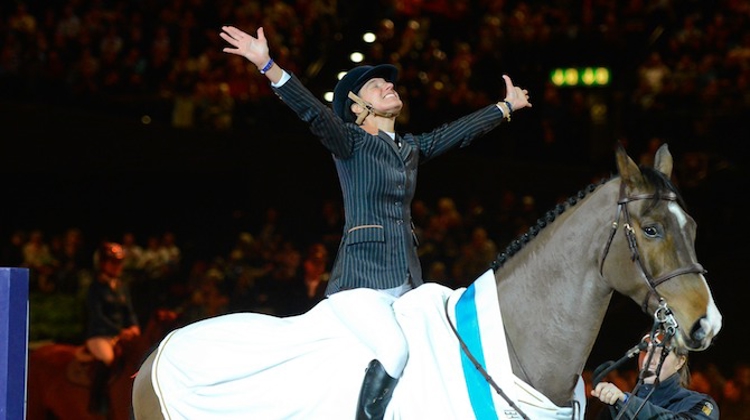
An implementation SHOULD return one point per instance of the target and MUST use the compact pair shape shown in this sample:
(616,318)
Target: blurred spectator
(315,277)
(172,255)
(205,298)
(437,272)
(277,289)
(215,106)
(110,316)
(154,259)
(12,254)
(21,21)
(133,262)
(733,402)
(329,228)
(451,223)
(74,270)
(40,261)
(475,258)
(735,398)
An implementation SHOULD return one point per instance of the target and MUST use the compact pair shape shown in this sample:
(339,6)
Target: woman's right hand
(253,48)
(130,332)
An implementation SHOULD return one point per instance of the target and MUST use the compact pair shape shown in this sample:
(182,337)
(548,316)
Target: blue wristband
(267,67)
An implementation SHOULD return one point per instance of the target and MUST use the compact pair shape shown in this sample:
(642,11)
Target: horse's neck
(554,300)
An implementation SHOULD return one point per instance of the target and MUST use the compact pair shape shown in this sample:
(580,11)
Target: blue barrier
(14,332)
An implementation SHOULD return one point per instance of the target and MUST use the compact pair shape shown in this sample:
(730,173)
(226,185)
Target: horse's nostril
(699,333)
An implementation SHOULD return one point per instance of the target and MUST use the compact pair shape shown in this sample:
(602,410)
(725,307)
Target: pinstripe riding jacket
(378,180)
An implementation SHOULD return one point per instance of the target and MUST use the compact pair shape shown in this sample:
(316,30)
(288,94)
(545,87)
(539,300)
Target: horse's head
(657,250)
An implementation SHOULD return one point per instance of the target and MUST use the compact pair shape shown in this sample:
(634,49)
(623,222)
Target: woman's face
(382,95)
(672,363)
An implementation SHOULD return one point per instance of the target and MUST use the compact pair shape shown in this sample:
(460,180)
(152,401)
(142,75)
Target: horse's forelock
(662,184)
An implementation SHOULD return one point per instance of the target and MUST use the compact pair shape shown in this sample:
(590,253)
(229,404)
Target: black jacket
(378,181)
(669,401)
(109,311)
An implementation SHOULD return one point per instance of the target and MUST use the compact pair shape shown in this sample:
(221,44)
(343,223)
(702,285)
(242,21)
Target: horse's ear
(628,170)
(663,161)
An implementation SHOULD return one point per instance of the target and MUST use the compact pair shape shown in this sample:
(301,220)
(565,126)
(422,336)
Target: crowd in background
(680,72)
(671,61)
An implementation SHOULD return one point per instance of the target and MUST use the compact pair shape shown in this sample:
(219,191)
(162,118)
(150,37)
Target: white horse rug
(253,366)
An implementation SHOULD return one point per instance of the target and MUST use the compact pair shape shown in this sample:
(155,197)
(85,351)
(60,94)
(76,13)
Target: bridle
(664,319)
(622,210)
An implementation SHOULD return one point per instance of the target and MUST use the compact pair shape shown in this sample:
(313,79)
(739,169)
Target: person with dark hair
(377,170)
(110,317)
(664,393)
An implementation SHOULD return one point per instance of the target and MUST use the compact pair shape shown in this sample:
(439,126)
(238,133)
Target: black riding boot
(99,397)
(377,390)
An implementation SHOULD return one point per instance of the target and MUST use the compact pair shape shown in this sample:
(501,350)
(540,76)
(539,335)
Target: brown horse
(60,375)
(512,345)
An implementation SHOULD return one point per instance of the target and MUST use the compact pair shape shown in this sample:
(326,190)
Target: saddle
(80,370)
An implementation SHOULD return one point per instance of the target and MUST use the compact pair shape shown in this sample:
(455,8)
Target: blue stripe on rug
(467,326)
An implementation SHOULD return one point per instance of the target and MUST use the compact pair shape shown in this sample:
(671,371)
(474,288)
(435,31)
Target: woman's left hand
(518,98)
(608,393)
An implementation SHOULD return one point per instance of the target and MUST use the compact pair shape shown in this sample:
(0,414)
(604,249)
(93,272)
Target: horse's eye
(651,231)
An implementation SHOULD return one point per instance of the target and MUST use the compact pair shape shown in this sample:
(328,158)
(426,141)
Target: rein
(622,209)
(481,368)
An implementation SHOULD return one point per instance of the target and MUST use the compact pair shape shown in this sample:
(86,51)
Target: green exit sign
(583,76)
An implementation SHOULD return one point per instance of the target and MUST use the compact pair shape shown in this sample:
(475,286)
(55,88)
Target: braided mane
(656,178)
(549,217)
